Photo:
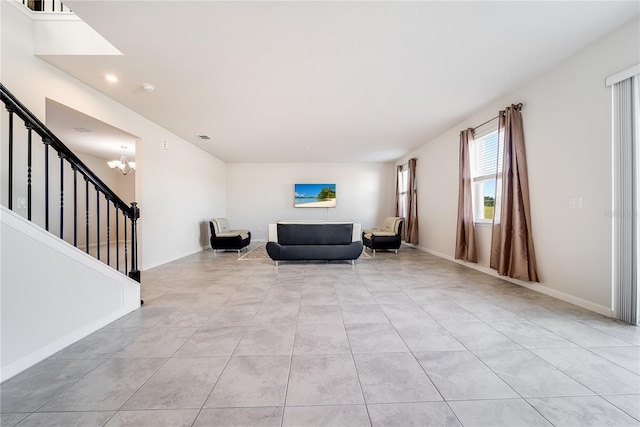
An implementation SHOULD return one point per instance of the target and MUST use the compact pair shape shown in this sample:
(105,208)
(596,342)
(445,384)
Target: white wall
(52,294)
(182,199)
(567,124)
(261,193)
(176,189)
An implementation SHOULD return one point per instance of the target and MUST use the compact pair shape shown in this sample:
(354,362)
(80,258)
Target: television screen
(315,196)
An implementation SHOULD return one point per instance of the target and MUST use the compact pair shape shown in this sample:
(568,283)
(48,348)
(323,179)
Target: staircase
(60,193)
(45,5)
(68,244)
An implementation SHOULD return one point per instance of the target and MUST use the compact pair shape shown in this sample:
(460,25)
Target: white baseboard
(42,353)
(597,308)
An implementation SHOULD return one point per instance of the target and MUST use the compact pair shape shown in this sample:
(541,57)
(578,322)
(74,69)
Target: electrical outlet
(575,202)
(22,203)
(165,145)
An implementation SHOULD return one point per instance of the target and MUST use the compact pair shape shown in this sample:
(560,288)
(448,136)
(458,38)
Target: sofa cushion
(315,234)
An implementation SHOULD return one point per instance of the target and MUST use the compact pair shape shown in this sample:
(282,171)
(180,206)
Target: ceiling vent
(204,137)
(82,130)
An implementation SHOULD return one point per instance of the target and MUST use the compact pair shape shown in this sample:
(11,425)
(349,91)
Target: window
(486,170)
(403,190)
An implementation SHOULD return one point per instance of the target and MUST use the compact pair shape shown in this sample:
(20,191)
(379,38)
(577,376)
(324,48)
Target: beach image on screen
(315,195)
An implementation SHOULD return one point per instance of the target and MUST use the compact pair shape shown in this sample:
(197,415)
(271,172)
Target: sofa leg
(353,262)
(374,252)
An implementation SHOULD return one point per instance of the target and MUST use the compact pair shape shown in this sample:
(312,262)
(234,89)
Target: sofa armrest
(357,233)
(273,233)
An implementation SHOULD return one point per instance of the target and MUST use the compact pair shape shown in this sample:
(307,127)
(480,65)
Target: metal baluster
(10,169)
(126,265)
(117,240)
(61,195)
(86,216)
(108,232)
(29,143)
(97,222)
(75,206)
(46,142)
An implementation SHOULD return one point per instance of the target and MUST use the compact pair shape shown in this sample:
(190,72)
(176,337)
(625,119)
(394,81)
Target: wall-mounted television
(314,195)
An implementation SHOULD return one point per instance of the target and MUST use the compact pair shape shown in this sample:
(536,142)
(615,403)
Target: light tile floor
(399,340)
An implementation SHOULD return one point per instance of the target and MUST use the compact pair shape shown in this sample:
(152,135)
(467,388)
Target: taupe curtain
(465,233)
(512,252)
(412,231)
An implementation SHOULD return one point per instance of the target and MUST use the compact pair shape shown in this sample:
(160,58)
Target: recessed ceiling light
(204,137)
(111,78)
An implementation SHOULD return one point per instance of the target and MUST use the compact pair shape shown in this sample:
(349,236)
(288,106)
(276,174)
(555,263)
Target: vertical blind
(626,110)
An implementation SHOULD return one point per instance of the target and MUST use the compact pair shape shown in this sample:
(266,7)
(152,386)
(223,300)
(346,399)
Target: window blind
(487,155)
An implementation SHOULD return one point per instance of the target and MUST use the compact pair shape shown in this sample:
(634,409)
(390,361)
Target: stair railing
(46,5)
(127,214)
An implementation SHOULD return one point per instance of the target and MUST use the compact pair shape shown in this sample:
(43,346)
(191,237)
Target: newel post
(134,273)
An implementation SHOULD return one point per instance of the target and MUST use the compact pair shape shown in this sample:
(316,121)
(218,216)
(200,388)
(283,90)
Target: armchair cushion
(390,227)
(378,233)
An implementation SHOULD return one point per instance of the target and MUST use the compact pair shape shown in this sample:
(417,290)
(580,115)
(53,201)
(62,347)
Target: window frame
(403,190)
(478,180)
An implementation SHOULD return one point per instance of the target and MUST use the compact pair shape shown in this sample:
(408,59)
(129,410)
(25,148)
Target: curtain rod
(518,107)
(407,163)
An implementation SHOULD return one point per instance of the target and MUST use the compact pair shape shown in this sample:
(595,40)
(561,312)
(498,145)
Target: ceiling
(326,81)
(85,134)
